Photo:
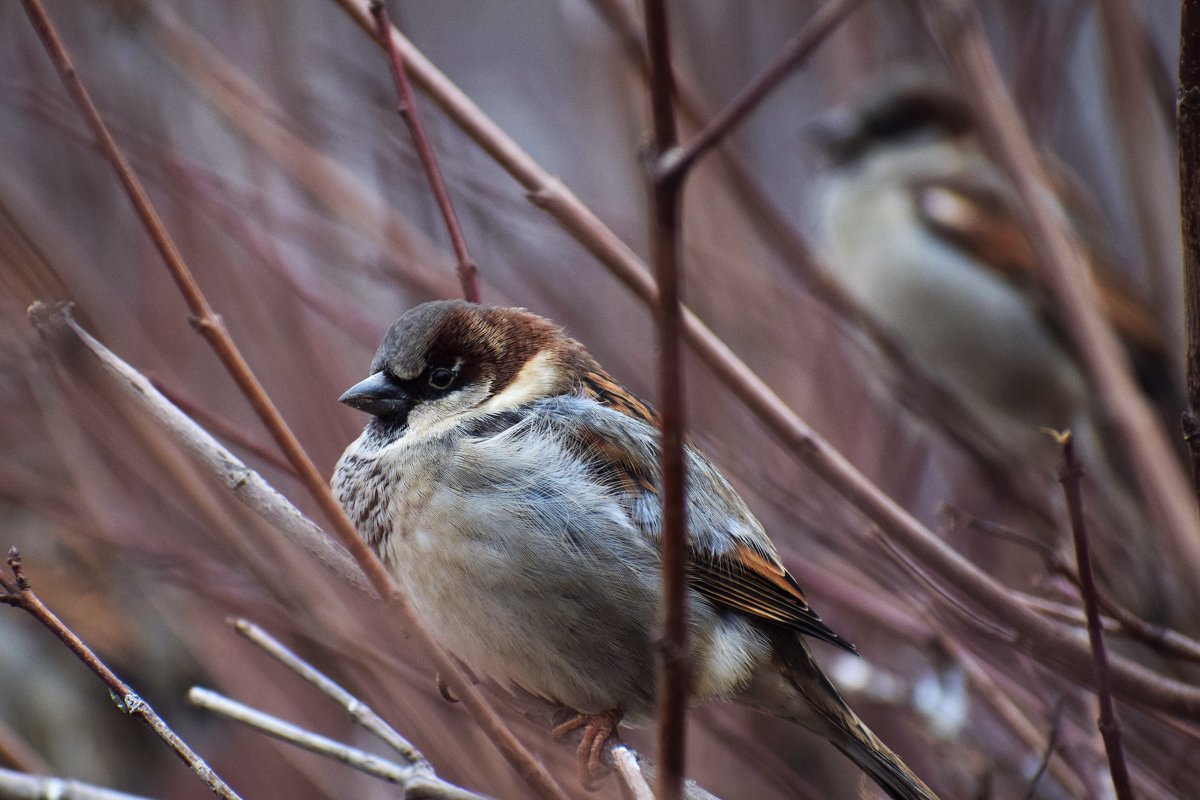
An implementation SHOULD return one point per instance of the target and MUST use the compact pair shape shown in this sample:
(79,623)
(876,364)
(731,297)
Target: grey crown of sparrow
(511,486)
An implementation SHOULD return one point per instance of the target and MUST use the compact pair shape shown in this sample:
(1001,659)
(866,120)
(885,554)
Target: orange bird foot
(597,730)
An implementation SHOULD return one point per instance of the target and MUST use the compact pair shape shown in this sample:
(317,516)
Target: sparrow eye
(441,378)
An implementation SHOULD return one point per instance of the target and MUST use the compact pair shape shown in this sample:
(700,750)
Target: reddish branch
(1189,197)
(213,330)
(468,273)
(1110,727)
(824,22)
(666,187)
(18,593)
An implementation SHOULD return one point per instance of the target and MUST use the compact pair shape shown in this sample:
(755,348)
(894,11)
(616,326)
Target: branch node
(14,563)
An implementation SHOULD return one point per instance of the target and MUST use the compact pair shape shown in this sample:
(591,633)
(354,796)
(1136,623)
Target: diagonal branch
(1110,727)
(823,23)
(213,329)
(19,594)
(359,711)
(413,781)
(468,273)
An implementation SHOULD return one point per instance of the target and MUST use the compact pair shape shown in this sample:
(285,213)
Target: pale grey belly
(532,610)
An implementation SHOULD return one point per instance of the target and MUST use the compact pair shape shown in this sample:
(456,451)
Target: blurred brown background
(267,135)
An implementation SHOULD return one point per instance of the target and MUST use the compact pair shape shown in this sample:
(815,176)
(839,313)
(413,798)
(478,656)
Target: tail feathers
(885,767)
(800,692)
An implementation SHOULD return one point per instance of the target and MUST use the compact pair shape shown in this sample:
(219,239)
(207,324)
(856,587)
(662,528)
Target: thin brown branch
(19,594)
(213,329)
(1110,727)
(1188,132)
(1168,642)
(1160,482)
(208,323)
(823,23)
(666,195)
(984,593)
(468,273)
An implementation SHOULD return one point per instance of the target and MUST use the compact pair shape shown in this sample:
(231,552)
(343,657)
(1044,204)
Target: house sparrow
(924,232)
(512,488)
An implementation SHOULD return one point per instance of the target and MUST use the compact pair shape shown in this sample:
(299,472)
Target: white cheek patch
(435,416)
(535,381)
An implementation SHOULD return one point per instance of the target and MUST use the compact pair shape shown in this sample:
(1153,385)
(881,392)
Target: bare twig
(468,273)
(1110,727)
(1168,642)
(1160,482)
(666,194)
(58,326)
(984,592)
(213,329)
(1189,194)
(1048,753)
(626,764)
(222,427)
(359,711)
(824,22)
(414,781)
(19,786)
(18,593)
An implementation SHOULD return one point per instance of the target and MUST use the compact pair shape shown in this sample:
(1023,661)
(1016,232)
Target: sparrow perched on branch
(512,488)
(926,234)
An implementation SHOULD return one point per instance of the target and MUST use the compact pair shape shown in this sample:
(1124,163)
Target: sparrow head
(907,108)
(448,357)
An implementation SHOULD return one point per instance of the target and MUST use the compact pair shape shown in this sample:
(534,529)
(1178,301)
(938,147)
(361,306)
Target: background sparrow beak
(379,395)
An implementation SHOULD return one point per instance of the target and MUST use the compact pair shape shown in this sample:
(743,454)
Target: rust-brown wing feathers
(756,584)
(747,578)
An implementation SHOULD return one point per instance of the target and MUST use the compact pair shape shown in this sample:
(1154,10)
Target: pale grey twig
(20,786)
(58,326)
(626,764)
(359,711)
(416,782)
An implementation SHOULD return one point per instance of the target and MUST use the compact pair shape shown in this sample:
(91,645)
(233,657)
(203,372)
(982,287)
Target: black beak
(379,395)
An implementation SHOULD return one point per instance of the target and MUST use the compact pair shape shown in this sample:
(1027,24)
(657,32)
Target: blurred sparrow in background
(924,232)
(512,488)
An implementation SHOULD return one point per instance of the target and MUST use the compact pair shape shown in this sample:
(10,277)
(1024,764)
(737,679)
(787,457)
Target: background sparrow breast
(512,488)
